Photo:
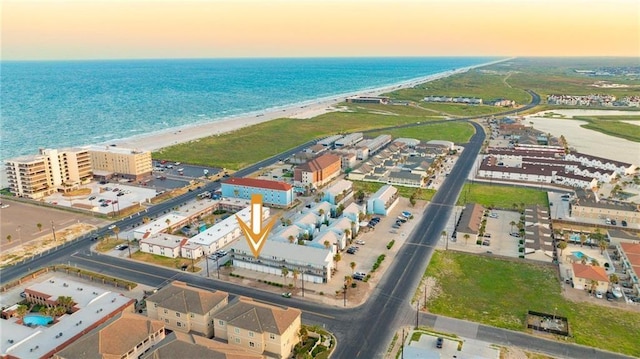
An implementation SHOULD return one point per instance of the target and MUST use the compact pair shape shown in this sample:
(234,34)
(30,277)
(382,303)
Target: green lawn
(613,126)
(483,289)
(458,132)
(252,144)
(372,187)
(474,83)
(497,196)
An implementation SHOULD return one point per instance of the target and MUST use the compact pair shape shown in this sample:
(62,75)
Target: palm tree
(443,234)
(347,233)
(466,238)
(336,259)
(168,222)
(562,245)
(39,225)
(594,262)
(583,239)
(512,223)
(9,238)
(602,244)
(295,277)
(65,302)
(348,280)
(146,219)
(327,244)
(285,273)
(593,284)
(22,310)
(614,278)
(291,239)
(321,211)
(116,231)
(353,266)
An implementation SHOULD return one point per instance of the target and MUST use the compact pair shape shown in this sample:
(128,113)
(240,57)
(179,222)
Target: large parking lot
(105,198)
(500,240)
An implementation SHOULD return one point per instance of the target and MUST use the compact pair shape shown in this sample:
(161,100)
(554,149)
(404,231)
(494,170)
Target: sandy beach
(157,140)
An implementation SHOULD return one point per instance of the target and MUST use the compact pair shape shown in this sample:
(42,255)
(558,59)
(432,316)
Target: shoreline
(157,140)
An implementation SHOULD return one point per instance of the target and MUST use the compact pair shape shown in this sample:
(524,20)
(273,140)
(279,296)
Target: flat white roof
(112,149)
(160,224)
(95,303)
(224,227)
(163,240)
(293,253)
(339,186)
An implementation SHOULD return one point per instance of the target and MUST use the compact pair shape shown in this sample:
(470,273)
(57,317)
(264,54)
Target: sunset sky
(93,29)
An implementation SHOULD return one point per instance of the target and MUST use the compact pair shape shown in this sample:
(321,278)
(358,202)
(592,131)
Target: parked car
(361,242)
(439,342)
(92,198)
(357,276)
(610,296)
(286,295)
(613,222)
(624,223)
(112,226)
(598,294)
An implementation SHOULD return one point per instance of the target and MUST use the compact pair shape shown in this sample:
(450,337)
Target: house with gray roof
(259,328)
(186,309)
(182,345)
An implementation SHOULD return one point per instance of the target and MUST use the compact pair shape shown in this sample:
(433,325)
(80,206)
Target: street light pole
(218,267)
(345,295)
(207,260)
(302,283)
(417,312)
(53,229)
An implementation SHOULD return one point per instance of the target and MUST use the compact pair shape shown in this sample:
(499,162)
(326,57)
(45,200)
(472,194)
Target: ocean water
(70,103)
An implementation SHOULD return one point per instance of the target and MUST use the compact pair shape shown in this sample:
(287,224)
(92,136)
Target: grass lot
(78,192)
(613,126)
(460,110)
(163,261)
(497,196)
(372,187)
(548,76)
(481,289)
(473,83)
(108,245)
(392,110)
(252,144)
(457,132)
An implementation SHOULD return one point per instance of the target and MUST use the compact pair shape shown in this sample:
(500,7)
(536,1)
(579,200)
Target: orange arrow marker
(255,234)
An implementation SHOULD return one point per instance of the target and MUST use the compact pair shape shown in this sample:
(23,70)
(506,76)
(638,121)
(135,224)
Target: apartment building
(163,244)
(182,345)
(589,277)
(318,171)
(108,161)
(274,193)
(469,222)
(126,336)
(48,172)
(383,201)
(259,327)
(186,309)
(339,192)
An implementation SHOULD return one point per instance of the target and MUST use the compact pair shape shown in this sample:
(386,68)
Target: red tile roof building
(318,171)
(274,193)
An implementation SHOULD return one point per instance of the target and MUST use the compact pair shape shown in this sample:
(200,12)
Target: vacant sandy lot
(588,141)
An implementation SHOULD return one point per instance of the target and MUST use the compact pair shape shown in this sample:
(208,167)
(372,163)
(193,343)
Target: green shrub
(390,244)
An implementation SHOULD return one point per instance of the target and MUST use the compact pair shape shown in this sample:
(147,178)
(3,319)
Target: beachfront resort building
(48,172)
(258,327)
(382,100)
(186,309)
(318,171)
(108,162)
(274,193)
(39,336)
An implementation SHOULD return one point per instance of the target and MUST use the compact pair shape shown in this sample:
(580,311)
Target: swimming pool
(578,255)
(37,319)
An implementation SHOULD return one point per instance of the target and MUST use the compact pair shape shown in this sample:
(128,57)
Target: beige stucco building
(589,277)
(123,162)
(49,171)
(259,328)
(186,309)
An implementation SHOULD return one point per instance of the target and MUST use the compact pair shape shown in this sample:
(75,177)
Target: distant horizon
(497,57)
(168,29)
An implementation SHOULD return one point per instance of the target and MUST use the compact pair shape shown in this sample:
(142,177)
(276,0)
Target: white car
(361,242)
(599,294)
(112,226)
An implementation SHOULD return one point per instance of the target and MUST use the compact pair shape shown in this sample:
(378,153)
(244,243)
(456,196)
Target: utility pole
(193,265)
(345,295)
(129,246)
(417,312)
(402,345)
(217,267)
(53,229)
(207,260)
(302,283)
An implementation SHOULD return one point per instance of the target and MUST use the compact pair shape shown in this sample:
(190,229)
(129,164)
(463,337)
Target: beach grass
(461,110)
(613,126)
(164,261)
(499,196)
(481,289)
(238,149)
(457,132)
(407,192)
(474,83)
